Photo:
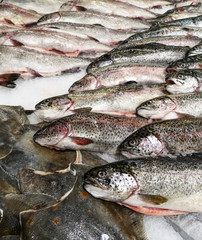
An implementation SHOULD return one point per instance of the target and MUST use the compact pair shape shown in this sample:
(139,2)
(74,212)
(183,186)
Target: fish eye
(132,143)
(101,174)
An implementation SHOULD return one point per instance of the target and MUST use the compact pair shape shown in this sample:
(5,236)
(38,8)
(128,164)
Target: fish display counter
(100,119)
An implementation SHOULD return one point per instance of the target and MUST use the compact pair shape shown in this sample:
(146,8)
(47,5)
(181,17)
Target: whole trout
(162,186)
(176,136)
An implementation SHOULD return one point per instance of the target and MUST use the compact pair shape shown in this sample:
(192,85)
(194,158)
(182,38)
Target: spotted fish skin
(161,183)
(176,136)
(88,131)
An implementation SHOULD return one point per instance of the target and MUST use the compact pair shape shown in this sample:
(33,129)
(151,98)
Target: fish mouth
(94,182)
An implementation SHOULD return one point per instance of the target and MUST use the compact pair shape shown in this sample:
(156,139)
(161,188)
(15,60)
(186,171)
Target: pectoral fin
(6,80)
(154,211)
(153,199)
(81,141)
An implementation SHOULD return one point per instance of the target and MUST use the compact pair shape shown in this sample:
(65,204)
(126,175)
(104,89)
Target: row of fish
(140,100)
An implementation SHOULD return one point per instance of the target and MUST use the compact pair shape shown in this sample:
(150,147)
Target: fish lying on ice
(88,131)
(172,106)
(169,137)
(150,186)
(118,100)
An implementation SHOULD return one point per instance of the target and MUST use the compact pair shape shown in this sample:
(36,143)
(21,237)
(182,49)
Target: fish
(150,186)
(108,21)
(110,7)
(17,16)
(54,42)
(96,219)
(196,50)
(184,81)
(118,100)
(37,5)
(88,131)
(13,204)
(31,63)
(172,106)
(6,27)
(147,4)
(118,74)
(169,137)
(193,62)
(27,154)
(161,34)
(94,32)
(151,54)
(185,22)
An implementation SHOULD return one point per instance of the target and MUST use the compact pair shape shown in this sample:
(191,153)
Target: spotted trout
(88,131)
(118,100)
(162,186)
(175,137)
(172,106)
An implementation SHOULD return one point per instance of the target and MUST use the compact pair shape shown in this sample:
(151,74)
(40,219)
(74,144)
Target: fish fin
(72,70)
(33,72)
(80,8)
(53,50)
(153,199)
(8,21)
(184,115)
(129,83)
(154,211)
(28,112)
(82,110)
(16,43)
(80,140)
(92,38)
(99,25)
(78,158)
(6,80)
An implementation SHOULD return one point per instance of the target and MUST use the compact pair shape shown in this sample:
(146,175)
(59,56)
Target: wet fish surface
(151,54)
(16,15)
(108,21)
(87,31)
(88,131)
(196,50)
(172,106)
(108,7)
(33,63)
(184,81)
(118,74)
(175,137)
(118,100)
(139,185)
(54,42)
(193,62)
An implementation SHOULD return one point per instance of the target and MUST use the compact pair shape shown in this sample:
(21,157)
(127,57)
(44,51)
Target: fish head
(142,143)
(53,108)
(182,82)
(156,108)
(87,83)
(49,18)
(111,182)
(178,65)
(103,61)
(51,135)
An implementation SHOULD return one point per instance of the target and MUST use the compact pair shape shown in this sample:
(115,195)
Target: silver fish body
(196,50)
(57,42)
(184,81)
(16,15)
(87,31)
(88,131)
(108,7)
(33,63)
(118,100)
(108,21)
(150,186)
(172,106)
(118,74)
(175,136)
(151,54)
